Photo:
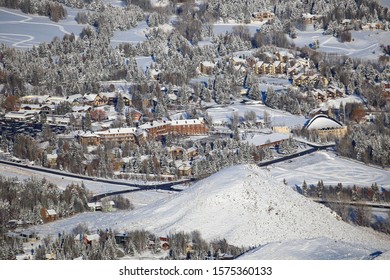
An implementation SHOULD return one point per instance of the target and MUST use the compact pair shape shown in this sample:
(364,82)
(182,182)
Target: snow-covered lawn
(327,166)
(365,44)
(222,28)
(311,249)
(278,117)
(384,3)
(115,3)
(245,205)
(133,35)
(24,31)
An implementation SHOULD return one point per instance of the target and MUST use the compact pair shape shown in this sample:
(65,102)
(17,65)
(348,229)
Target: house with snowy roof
(48,215)
(206,67)
(263,15)
(90,239)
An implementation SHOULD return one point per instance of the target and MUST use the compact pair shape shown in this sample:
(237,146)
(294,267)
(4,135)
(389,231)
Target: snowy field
(327,166)
(222,28)
(24,31)
(311,249)
(245,205)
(384,3)
(278,117)
(335,103)
(114,3)
(133,35)
(365,44)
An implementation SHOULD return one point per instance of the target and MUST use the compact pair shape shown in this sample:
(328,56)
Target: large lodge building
(149,130)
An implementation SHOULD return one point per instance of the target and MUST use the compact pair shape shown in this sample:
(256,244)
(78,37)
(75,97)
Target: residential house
(28,236)
(184,169)
(89,138)
(260,67)
(155,74)
(127,98)
(284,56)
(90,239)
(34,99)
(81,109)
(176,152)
(207,67)
(37,107)
(280,67)
(334,92)
(135,115)
(109,97)
(52,160)
(74,99)
(95,206)
(48,215)
(121,238)
(164,243)
(308,18)
(263,16)
(105,206)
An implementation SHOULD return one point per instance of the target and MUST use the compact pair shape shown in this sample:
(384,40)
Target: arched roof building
(326,126)
(321,122)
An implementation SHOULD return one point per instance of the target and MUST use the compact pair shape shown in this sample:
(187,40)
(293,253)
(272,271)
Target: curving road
(140,187)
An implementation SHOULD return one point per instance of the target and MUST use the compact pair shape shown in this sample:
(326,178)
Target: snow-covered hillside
(243,204)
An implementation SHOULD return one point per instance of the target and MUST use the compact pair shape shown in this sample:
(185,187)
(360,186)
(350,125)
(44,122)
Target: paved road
(354,203)
(140,187)
(314,148)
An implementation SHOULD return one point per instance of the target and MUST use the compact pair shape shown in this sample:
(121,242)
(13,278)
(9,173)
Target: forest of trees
(181,246)
(337,198)
(24,200)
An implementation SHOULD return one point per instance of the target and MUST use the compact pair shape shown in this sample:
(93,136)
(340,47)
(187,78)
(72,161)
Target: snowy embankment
(310,249)
(242,204)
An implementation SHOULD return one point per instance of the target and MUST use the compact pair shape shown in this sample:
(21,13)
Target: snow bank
(243,204)
(311,249)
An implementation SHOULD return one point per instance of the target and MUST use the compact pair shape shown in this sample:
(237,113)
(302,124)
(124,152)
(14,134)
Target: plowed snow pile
(242,204)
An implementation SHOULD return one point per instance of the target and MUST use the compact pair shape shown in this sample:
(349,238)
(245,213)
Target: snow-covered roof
(38,98)
(52,156)
(74,97)
(322,121)
(239,60)
(81,108)
(186,122)
(94,204)
(20,114)
(152,124)
(92,237)
(51,212)
(208,63)
(122,130)
(90,97)
(87,134)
